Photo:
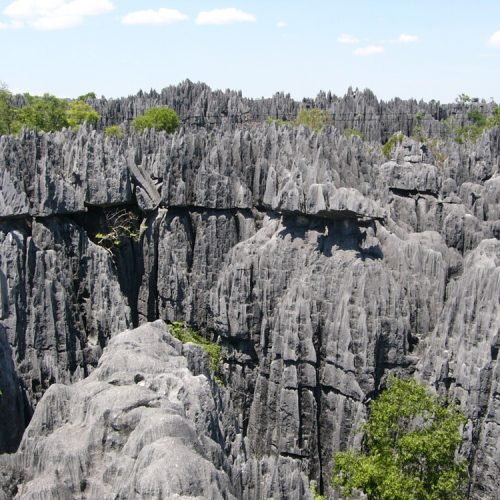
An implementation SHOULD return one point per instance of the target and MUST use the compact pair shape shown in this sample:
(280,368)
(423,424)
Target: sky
(403,48)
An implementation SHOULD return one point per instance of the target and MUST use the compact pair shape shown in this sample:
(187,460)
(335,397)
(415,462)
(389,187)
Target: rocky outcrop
(318,264)
(148,427)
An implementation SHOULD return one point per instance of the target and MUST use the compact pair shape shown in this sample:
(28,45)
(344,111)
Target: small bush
(477,117)
(314,491)
(314,118)
(114,131)
(349,132)
(395,139)
(494,120)
(158,118)
(123,225)
(278,121)
(186,334)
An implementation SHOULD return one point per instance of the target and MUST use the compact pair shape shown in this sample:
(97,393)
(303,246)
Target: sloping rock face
(142,425)
(149,422)
(318,264)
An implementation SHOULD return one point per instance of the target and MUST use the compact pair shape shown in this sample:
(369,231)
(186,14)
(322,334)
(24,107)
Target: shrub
(186,334)
(494,120)
(277,121)
(314,491)
(396,138)
(80,112)
(158,118)
(411,438)
(314,118)
(349,132)
(122,225)
(477,117)
(114,131)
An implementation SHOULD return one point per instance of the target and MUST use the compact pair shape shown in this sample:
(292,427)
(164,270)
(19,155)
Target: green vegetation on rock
(349,132)
(80,112)
(114,131)
(411,440)
(158,118)
(185,334)
(314,118)
(122,225)
(314,491)
(395,139)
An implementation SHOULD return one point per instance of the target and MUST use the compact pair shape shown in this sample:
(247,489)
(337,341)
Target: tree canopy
(158,118)
(7,111)
(46,113)
(80,112)
(411,440)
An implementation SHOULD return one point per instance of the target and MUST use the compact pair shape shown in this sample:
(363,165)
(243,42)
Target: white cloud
(370,50)
(154,17)
(224,16)
(281,24)
(54,14)
(347,39)
(10,26)
(494,40)
(407,38)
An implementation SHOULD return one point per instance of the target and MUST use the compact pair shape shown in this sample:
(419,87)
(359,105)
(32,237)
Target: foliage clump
(158,118)
(123,225)
(395,139)
(314,118)
(7,111)
(46,113)
(278,121)
(349,132)
(114,131)
(314,491)
(185,334)
(411,440)
(80,112)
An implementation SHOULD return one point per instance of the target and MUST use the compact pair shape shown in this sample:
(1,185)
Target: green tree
(411,438)
(88,95)
(79,112)
(46,113)
(7,111)
(158,118)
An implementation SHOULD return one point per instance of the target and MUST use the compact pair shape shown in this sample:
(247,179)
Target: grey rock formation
(320,265)
(142,425)
(60,302)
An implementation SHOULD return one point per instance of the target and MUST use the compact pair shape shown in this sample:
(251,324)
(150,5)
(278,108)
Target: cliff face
(319,265)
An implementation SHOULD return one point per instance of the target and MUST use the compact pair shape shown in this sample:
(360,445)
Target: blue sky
(422,49)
